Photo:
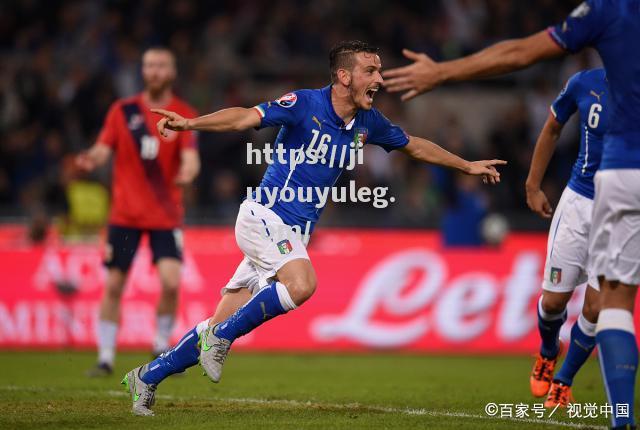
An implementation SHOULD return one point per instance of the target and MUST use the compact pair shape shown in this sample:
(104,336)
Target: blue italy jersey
(317,146)
(612,27)
(587,93)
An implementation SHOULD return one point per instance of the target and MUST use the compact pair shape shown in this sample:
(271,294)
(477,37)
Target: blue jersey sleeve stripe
(551,31)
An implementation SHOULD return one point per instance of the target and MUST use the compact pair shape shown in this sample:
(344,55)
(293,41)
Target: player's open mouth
(371,92)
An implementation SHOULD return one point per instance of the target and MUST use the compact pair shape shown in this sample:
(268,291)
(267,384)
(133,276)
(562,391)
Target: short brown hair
(161,49)
(341,55)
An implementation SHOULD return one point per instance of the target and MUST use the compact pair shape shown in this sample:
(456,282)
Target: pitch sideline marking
(339,406)
(406,411)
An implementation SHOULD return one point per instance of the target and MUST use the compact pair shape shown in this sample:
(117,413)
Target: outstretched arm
(93,157)
(503,57)
(231,119)
(545,146)
(429,152)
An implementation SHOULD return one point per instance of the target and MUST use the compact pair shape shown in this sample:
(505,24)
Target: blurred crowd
(64,62)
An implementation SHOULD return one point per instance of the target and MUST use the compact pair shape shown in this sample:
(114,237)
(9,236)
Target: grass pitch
(45,390)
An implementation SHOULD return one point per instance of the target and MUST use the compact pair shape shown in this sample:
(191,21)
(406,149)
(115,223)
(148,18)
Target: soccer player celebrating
(612,27)
(276,267)
(148,172)
(568,244)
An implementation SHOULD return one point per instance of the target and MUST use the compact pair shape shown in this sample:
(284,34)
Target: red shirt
(144,194)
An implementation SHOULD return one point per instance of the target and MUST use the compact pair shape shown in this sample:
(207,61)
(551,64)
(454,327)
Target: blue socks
(618,352)
(549,328)
(184,355)
(268,303)
(583,341)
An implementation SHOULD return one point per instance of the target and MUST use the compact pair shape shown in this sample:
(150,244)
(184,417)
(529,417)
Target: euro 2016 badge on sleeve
(287,100)
(556,276)
(284,246)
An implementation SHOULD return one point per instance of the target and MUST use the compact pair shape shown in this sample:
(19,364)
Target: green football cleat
(143,395)
(213,352)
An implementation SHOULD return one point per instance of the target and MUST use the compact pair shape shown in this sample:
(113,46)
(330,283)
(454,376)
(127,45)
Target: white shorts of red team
(614,247)
(267,244)
(567,261)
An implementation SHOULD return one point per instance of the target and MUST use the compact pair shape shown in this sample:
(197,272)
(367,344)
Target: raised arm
(231,119)
(545,146)
(503,57)
(424,150)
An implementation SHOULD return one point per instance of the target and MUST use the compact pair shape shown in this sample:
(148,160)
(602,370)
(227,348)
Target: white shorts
(614,247)
(568,244)
(267,244)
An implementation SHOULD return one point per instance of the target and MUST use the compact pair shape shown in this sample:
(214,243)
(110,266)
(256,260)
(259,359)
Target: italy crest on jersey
(556,276)
(284,246)
(360,136)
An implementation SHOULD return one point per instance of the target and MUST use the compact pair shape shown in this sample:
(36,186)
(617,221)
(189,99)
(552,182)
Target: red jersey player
(148,170)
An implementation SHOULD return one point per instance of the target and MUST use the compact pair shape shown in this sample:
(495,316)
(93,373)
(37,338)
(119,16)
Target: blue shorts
(122,244)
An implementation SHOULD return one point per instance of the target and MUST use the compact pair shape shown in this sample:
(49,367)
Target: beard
(157,87)
(356,97)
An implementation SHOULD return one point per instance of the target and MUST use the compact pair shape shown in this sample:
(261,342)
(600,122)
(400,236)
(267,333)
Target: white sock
(107,334)
(285,299)
(586,326)
(164,329)
(615,319)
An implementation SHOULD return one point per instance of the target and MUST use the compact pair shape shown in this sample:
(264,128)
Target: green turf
(44,390)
